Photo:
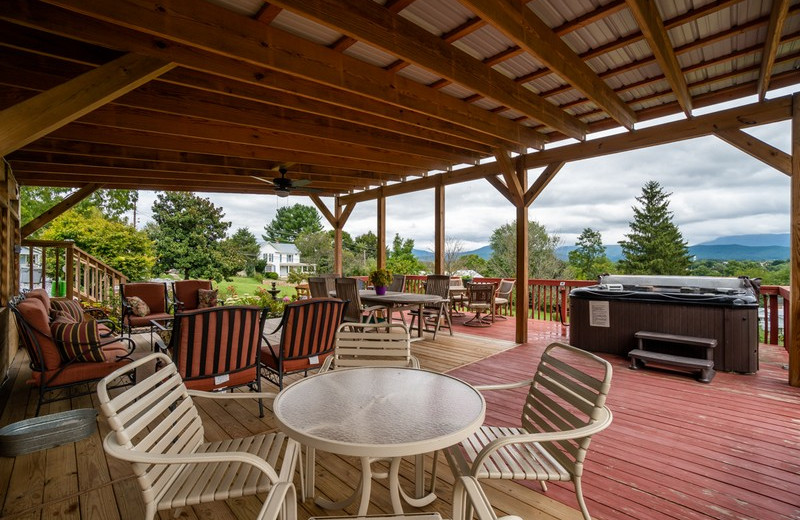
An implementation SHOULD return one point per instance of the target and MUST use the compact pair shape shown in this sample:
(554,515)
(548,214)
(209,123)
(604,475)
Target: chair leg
(581,502)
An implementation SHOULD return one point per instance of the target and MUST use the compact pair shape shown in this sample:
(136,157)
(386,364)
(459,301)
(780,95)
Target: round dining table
(379,413)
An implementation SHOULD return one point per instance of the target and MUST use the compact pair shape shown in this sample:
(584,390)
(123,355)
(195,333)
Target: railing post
(773,319)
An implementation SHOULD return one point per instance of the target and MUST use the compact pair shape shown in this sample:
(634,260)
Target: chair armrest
(467,493)
(113,447)
(600,424)
(282,498)
(504,386)
(96,313)
(232,395)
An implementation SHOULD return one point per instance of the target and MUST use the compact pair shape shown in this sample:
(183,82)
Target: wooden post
(438,248)
(381,252)
(522,259)
(337,240)
(793,341)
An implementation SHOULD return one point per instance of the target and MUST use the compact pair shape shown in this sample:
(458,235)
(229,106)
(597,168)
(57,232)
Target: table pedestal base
(396,493)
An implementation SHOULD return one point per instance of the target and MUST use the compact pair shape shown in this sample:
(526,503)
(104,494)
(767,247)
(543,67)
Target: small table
(399,299)
(378,413)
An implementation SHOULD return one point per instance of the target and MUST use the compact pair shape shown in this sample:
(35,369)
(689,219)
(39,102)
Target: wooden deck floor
(677,449)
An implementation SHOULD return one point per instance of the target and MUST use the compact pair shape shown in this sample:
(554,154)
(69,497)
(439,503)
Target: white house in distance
(283,258)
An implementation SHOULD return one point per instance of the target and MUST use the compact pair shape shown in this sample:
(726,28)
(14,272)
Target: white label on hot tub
(598,314)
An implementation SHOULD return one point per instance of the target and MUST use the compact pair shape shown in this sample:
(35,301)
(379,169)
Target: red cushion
(40,294)
(186,292)
(70,306)
(153,294)
(33,312)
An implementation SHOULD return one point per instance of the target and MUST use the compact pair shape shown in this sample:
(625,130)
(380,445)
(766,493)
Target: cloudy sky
(716,191)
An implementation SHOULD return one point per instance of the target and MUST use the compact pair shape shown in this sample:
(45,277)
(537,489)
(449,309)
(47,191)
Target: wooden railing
(775,308)
(63,263)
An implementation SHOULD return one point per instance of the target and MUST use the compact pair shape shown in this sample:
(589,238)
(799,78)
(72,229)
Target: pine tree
(654,245)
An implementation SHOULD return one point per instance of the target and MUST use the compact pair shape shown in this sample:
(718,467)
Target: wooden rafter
(213,39)
(332,220)
(777,18)
(368,21)
(646,14)
(757,148)
(509,172)
(531,34)
(500,186)
(31,119)
(542,181)
(59,209)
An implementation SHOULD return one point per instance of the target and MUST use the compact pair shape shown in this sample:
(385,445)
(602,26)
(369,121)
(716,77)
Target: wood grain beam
(40,115)
(646,14)
(159,141)
(500,186)
(380,254)
(755,114)
(542,181)
(59,209)
(777,19)
(368,22)
(332,220)
(439,229)
(509,172)
(519,23)
(219,41)
(757,148)
(522,264)
(792,335)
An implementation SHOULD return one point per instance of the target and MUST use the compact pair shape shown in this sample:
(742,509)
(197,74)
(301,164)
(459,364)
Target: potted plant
(380,279)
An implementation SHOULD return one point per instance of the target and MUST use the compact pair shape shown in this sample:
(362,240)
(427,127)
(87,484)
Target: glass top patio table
(380,412)
(399,299)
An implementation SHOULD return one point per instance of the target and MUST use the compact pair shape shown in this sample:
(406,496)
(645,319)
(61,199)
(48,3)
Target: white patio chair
(565,406)
(371,345)
(468,495)
(156,427)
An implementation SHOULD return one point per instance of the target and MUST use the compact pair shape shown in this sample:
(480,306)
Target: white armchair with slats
(564,407)
(156,427)
(371,345)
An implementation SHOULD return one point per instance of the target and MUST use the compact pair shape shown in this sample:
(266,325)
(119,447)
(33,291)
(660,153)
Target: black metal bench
(641,356)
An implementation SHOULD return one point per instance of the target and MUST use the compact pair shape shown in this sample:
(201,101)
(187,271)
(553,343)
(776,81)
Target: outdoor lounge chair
(398,283)
(186,294)
(153,296)
(73,309)
(67,357)
(565,406)
(219,348)
(438,285)
(156,426)
(308,331)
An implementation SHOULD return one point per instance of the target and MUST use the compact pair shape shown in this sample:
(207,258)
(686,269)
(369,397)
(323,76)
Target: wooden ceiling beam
(205,41)
(646,14)
(757,148)
(755,114)
(62,104)
(199,128)
(500,186)
(508,170)
(59,209)
(368,22)
(777,19)
(517,22)
(177,100)
(157,141)
(541,182)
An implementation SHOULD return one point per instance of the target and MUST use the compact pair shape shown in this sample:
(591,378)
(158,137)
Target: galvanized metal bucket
(47,431)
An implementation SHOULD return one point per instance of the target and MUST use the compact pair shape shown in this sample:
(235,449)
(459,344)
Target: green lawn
(244,285)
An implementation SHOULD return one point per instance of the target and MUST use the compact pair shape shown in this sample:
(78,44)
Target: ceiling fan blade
(266,181)
(300,182)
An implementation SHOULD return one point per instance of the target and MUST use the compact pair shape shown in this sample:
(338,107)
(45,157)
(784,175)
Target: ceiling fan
(283,185)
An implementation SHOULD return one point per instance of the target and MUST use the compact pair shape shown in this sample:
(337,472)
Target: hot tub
(604,317)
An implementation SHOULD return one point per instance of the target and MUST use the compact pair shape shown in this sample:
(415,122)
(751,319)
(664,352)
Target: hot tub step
(706,366)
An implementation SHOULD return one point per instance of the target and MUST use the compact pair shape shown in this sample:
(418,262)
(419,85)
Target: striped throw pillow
(71,307)
(77,340)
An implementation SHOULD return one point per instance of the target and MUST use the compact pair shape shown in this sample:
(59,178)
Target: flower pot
(380,291)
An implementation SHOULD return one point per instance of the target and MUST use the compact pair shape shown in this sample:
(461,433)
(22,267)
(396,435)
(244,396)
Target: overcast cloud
(716,191)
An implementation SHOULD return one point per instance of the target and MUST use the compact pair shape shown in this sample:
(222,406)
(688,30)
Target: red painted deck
(677,448)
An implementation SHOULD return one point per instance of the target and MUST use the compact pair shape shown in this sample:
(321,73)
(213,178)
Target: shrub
(271,276)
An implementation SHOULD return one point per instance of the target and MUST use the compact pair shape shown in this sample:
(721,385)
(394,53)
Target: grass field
(244,285)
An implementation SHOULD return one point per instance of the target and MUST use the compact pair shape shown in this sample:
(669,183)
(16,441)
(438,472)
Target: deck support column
(438,247)
(381,252)
(338,229)
(521,309)
(792,335)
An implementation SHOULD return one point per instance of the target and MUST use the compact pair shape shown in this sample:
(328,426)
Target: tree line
(188,234)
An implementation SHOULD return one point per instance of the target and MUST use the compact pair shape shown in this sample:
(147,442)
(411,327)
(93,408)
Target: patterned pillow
(62,316)
(71,307)
(206,298)
(138,306)
(76,340)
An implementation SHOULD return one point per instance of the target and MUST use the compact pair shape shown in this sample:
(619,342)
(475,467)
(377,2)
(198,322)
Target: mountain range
(756,247)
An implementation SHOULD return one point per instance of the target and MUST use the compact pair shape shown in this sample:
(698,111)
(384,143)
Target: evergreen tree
(655,244)
(290,221)
(188,232)
(589,259)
